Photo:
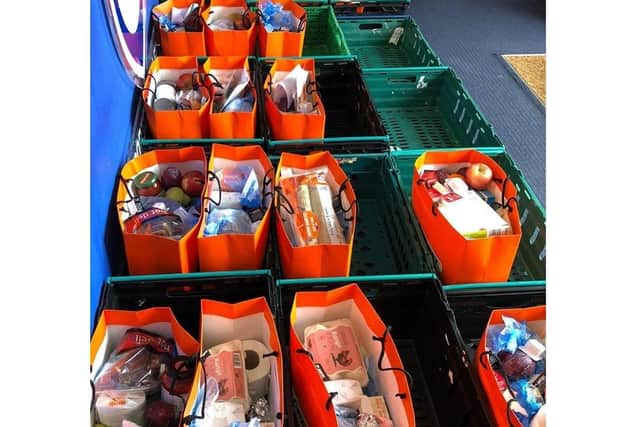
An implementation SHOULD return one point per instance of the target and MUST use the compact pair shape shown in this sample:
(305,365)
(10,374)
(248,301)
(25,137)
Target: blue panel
(112,93)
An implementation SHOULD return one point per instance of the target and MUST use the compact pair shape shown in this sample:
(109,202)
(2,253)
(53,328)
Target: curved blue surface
(111,125)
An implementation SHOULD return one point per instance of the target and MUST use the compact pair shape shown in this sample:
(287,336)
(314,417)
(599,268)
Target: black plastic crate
(423,329)
(472,308)
(183,292)
(349,109)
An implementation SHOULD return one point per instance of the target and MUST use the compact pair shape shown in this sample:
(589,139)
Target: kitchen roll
(258,368)
(115,406)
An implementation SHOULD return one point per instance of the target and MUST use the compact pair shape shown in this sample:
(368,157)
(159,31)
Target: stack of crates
(388,98)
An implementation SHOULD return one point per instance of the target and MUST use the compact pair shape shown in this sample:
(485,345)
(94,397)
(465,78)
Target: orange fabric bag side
(229,125)
(485,370)
(179,43)
(321,260)
(283,43)
(286,126)
(314,398)
(174,124)
(149,254)
(466,260)
(231,42)
(247,320)
(235,251)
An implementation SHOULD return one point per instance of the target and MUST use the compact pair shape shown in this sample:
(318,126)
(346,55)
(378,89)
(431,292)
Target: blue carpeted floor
(469,35)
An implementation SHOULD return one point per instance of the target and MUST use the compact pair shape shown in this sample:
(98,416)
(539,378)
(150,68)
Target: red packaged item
(136,337)
(225,363)
(335,349)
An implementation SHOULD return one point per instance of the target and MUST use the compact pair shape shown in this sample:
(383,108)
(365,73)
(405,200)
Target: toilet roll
(258,368)
(115,406)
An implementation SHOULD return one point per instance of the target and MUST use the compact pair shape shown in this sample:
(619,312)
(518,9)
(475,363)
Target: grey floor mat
(469,35)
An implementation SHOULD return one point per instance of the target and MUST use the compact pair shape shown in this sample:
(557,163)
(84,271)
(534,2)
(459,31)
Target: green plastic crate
(323,36)
(529,267)
(370,7)
(427,108)
(386,240)
(368,39)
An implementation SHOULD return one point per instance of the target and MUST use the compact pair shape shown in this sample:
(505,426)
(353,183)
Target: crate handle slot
(370,26)
(382,340)
(412,79)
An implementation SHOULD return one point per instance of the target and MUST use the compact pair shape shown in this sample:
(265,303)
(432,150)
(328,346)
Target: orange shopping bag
(338,337)
(220,72)
(181,42)
(294,125)
(282,43)
(237,171)
(310,195)
(154,253)
(166,77)
(241,364)
(240,40)
(128,349)
(502,403)
(466,260)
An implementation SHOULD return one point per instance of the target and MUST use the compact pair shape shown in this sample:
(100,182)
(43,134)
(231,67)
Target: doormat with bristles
(531,70)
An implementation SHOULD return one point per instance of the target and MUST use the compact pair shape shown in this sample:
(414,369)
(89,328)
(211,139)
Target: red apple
(192,183)
(160,414)
(184,82)
(479,176)
(171,177)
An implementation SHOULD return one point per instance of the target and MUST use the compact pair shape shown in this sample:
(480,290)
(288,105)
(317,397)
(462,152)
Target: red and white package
(225,364)
(335,349)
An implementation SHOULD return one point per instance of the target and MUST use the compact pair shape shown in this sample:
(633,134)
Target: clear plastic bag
(290,94)
(233,178)
(275,18)
(134,369)
(157,222)
(314,220)
(227,221)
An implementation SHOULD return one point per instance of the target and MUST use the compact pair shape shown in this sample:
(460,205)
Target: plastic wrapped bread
(335,349)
